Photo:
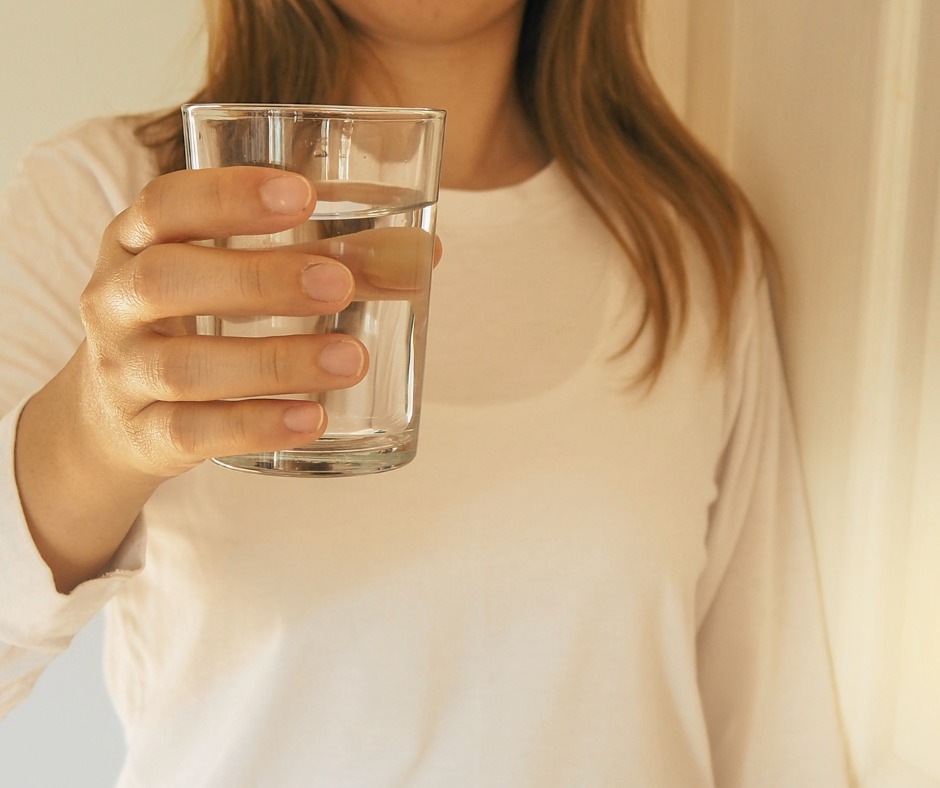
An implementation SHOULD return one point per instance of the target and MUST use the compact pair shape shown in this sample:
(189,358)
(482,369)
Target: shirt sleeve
(52,215)
(764,668)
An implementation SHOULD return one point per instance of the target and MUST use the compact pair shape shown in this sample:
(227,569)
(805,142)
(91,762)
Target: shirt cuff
(33,614)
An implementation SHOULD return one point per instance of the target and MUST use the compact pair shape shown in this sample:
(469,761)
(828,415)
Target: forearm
(79,506)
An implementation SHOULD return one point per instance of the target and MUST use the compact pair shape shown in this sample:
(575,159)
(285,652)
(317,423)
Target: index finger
(191,205)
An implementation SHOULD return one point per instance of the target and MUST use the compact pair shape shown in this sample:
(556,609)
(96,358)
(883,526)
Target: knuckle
(147,283)
(277,364)
(218,197)
(250,281)
(180,431)
(192,435)
(98,302)
(174,373)
(236,431)
(105,373)
(105,332)
(88,304)
(144,216)
(141,436)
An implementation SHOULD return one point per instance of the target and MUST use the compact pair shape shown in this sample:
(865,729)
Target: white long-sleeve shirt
(576,583)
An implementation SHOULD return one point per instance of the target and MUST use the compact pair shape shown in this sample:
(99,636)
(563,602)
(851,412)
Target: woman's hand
(153,390)
(143,398)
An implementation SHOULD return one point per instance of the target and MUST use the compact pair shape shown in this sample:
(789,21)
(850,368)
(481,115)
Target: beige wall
(64,61)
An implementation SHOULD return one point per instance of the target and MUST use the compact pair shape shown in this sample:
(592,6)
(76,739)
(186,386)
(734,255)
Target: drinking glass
(376,174)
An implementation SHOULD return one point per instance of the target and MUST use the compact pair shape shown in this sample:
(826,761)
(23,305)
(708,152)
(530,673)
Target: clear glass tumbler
(376,172)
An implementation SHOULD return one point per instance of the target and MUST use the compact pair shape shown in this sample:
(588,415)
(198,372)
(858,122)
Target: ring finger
(203,368)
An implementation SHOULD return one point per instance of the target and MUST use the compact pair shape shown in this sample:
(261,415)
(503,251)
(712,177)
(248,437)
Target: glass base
(329,457)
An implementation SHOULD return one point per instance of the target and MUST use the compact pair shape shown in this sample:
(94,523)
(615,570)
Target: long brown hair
(583,79)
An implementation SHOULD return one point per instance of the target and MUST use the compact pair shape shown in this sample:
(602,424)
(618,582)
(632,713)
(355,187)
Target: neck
(489,142)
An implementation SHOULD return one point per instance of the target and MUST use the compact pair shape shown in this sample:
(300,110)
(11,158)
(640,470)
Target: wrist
(78,499)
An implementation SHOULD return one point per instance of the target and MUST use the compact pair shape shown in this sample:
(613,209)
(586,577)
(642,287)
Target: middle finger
(174,280)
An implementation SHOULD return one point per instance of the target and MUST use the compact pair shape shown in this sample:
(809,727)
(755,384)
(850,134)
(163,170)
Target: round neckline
(541,191)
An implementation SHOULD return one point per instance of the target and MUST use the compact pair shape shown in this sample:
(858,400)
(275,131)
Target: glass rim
(222,110)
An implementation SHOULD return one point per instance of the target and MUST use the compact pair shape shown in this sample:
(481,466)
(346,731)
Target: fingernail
(326,282)
(303,418)
(343,358)
(285,194)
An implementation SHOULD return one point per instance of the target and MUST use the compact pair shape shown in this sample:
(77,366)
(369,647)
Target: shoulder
(746,282)
(100,158)
(753,315)
(63,194)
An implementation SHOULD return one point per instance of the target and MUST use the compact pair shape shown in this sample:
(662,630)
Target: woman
(597,571)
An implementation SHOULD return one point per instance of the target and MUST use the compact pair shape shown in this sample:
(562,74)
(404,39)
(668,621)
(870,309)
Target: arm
(764,669)
(140,399)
